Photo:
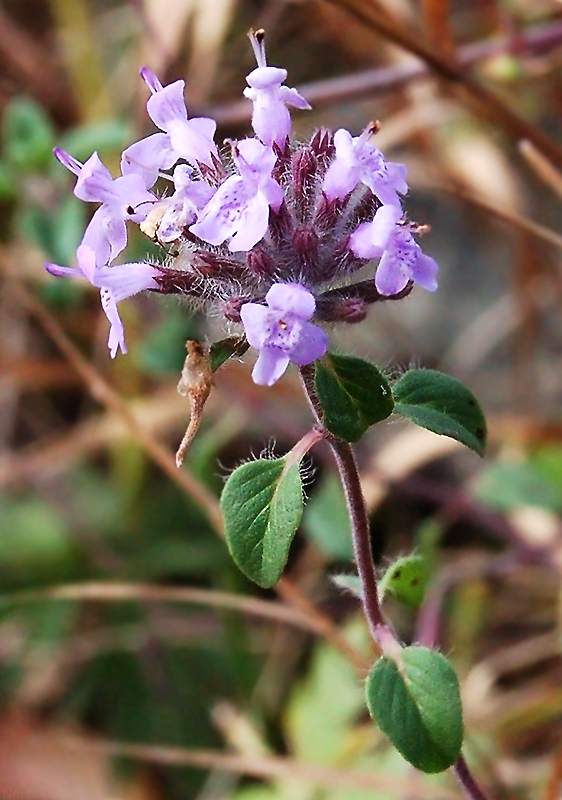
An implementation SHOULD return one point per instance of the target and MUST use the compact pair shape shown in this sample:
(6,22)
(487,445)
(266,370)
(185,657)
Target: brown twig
(455,75)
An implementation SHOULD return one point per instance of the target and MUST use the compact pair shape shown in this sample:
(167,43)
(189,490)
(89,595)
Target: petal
(220,217)
(340,179)
(106,235)
(271,364)
(63,272)
(116,332)
(87,262)
(425,272)
(95,182)
(266,77)
(148,156)
(189,142)
(391,275)
(167,105)
(291,97)
(150,79)
(256,320)
(126,280)
(312,344)
(291,297)
(252,225)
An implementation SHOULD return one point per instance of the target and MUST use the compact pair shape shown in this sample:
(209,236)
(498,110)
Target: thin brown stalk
(269,767)
(100,592)
(435,15)
(454,74)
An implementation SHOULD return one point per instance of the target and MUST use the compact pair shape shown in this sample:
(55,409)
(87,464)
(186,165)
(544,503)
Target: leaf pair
(354,395)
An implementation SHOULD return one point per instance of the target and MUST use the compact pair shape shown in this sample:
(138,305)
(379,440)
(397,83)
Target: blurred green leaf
(510,484)
(28,136)
(406,580)
(106,137)
(326,520)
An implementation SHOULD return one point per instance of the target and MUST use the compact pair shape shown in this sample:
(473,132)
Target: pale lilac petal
(255,320)
(273,193)
(95,182)
(392,274)
(148,156)
(371,238)
(116,337)
(271,364)
(252,225)
(204,125)
(106,235)
(87,262)
(126,280)
(340,179)
(425,272)
(221,216)
(291,297)
(167,105)
(266,77)
(312,344)
(292,97)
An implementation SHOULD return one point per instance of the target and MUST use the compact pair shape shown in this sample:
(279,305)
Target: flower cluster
(272,237)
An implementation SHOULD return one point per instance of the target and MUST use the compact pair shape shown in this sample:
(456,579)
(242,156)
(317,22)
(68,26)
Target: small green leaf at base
(417,705)
(441,404)
(353,394)
(262,506)
(220,352)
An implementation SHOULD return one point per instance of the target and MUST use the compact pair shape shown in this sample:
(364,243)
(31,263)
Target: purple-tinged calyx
(115,284)
(282,332)
(401,257)
(240,206)
(359,161)
(271,119)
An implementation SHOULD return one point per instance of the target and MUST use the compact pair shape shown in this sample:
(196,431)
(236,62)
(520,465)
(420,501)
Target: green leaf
(326,520)
(220,352)
(353,394)
(406,580)
(28,136)
(508,485)
(349,583)
(417,704)
(441,404)
(262,506)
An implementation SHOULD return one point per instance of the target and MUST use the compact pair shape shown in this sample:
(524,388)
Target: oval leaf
(262,506)
(417,705)
(353,394)
(406,580)
(441,404)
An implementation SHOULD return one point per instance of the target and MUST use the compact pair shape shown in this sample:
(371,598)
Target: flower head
(282,332)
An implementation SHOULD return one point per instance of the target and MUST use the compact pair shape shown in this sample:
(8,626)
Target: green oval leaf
(262,506)
(441,404)
(417,704)
(406,580)
(353,394)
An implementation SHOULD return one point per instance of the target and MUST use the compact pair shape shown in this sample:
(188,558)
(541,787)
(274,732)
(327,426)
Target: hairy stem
(466,780)
(349,475)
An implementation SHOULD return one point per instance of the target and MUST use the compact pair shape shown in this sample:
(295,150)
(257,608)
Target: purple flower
(357,160)
(270,118)
(401,257)
(240,206)
(191,139)
(121,198)
(115,284)
(282,332)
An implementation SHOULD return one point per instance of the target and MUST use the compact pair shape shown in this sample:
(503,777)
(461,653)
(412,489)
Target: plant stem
(349,475)
(467,781)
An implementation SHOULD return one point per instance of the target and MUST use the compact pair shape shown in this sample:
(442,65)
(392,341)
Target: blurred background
(136,662)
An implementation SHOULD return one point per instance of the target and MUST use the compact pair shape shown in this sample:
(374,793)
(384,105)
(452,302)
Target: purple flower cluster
(272,237)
